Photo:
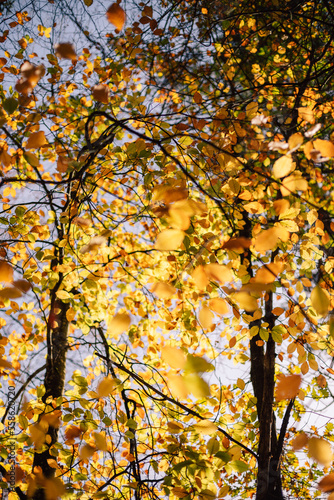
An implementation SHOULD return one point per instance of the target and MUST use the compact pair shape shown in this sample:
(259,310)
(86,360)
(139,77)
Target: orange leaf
(288,387)
(306,114)
(299,441)
(66,51)
(326,484)
(200,278)
(237,244)
(169,239)
(119,323)
(326,148)
(320,450)
(6,272)
(174,357)
(283,166)
(217,272)
(268,273)
(219,306)
(206,318)
(116,16)
(36,140)
(163,290)
(101,93)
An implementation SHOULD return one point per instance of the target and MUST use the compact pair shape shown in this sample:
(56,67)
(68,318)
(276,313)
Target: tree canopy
(166,253)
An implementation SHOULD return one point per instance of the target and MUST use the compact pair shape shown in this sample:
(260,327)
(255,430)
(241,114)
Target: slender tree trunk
(57,332)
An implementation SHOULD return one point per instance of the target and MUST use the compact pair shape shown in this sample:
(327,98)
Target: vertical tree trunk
(57,331)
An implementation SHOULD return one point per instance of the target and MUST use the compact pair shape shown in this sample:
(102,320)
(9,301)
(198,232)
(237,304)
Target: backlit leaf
(66,51)
(116,16)
(101,93)
(119,323)
(219,306)
(326,484)
(288,387)
(163,290)
(269,272)
(283,166)
(320,450)
(320,300)
(36,140)
(6,272)
(169,239)
(299,441)
(205,317)
(245,301)
(306,114)
(205,427)
(174,357)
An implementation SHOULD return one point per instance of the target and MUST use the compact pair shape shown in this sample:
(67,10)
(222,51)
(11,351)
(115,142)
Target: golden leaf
(268,273)
(293,183)
(10,293)
(196,385)
(169,239)
(174,357)
(326,484)
(295,140)
(217,272)
(320,300)
(299,441)
(245,301)
(320,450)
(200,278)
(251,110)
(281,206)
(283,166)
(163,290)
(100,441)
(306,114)
(54,488)
(321,381)
(72,432)
(288,387)
(105,387)
(237,244)
(206,427)
(326,148)
(36,140)
(205,317)
(86,451)
(22,285)
(268,239)
(6,272)
(119,323)
(5,364)
(219,306)
(116,16)
(177,386)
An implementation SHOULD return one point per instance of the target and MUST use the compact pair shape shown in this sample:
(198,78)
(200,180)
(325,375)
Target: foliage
(166,257)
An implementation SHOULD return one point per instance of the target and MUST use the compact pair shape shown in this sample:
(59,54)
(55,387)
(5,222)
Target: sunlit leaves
(6,272)
(283,166)
(174,357)
(163,290)
(205,427)
(119,323)
(320,450)
(320,300)
(306,114)
(169,239)
(299,441)
(268,273)
(94,244)
(116,16)
(268,239)
(326,484)
(288,387)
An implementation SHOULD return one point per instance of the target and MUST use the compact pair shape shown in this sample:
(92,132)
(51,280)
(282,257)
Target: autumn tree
(166,250)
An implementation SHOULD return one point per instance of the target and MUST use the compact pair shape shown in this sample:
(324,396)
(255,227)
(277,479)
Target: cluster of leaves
(166,180)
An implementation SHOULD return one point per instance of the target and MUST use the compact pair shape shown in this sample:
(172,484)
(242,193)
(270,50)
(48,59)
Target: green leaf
(10,105)
(196,364)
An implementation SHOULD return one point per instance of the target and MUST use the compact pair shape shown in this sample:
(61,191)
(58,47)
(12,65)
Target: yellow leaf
(174,427)
(217,272)
(281,206)
(206,427)
(241,384)
(94,244)
(299,441)
(100,441)
(174,357)
(177,386)
(86,451)
(219,306)
(320,300)
(54,488)
(6,272)
(116,16)
(288,387)
(326,484)
(268,273)
(163,290)
(251,110)
(119,323)
(196,385)
(101,93)
(169,239)
(36,140)
(200,278)
(320,450)
(63,295)
(326,148)
(66,51)
(245,301)
(283,166)
(205,317)
(31,159)
(38,434)
(295,140)
(268,239)
(306,114)
(293,183)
